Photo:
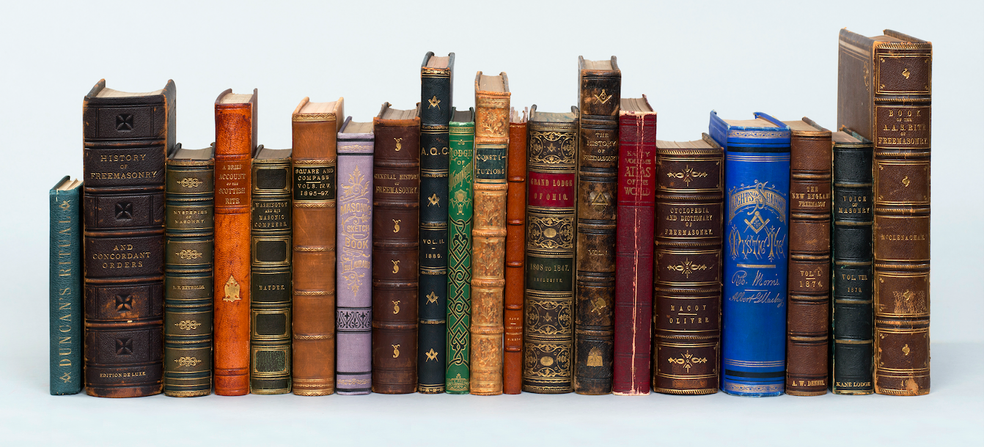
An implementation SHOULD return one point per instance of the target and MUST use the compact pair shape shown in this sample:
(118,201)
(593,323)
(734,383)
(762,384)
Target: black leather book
(435,116)
(126,139)
(852,353)
(188,291)
(271,249)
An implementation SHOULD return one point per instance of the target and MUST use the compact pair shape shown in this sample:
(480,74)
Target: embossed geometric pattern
(124,346)
(124,210)
(124,122)
(124,302)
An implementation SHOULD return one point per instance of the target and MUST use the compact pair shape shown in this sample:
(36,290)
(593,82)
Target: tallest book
(126,138)
(884,93)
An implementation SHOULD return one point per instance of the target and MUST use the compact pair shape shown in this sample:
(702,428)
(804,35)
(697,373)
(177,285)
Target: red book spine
(634,253)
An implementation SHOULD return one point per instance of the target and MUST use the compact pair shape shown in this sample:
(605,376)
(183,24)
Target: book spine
(488,242)
(270,272)
(395,245)
(901,121)
(852,274)
(512,363)
(597,184)
(689,213)
(548,339)
(65,292)
(808,314)
(314,163)
(462,142)
(123,198)
(435,91)
(634,253)
(753,308)
(234,130)
(354,266)
(188,278)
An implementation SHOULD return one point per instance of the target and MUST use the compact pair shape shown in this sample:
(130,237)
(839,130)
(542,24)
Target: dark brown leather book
(548,334)
(631,373)
(315,131)
(808,314)
(235,142)
(395,249)
(188,286)
(689,235)
(489,232)
(270,273)
(126,139)
(512,361)
(884,93)
(597,183)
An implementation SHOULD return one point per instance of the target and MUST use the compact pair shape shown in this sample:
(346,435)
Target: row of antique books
(438,249)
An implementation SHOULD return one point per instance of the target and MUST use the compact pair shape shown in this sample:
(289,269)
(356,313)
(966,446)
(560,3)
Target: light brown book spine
(512,364)
(315,159)
(235,141)
(488,237)
(884,93)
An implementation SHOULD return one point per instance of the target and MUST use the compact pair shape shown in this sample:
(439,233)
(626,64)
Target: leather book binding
(190,240)
(235,142)
(65,287)
(395,249)
(808,314)
(436,76)
(353,320)
(314,129)
(634,247)
(597,183)
(460,213)
(851,319)
(270,272)
(126,139)
(689,212)
(548,338)
(756,234)
(489,233)
(512,361)
(884,93)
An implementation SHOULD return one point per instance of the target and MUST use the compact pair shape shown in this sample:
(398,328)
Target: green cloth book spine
(460,215)
(188,260)
(271,249)
(65,288)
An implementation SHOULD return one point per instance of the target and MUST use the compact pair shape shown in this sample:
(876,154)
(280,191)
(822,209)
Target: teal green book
(460,213)
(65,287)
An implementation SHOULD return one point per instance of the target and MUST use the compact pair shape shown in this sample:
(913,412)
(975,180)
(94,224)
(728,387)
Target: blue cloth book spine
(756,248)
(65,288)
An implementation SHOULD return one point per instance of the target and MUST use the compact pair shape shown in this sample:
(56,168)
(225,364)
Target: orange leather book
(235,141)
(512,362)
(315,130)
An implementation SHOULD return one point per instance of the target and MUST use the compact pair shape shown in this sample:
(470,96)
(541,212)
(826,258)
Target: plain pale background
(687,57)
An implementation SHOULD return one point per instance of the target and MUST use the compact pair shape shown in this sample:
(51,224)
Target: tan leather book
(235,142)
(884,93)
(315,129)
(489,232)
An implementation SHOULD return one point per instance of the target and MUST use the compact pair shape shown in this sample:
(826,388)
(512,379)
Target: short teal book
(65,287)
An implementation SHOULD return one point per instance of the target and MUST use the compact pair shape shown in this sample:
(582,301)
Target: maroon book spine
(634,252)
